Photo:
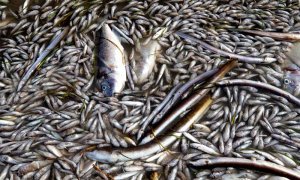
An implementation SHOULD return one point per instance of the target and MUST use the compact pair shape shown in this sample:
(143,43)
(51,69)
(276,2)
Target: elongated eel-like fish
(260,165)
(160,144)
(246,59)
(111,63)
(172,98)
(245,82)
(42,56)
(187,103)
(275,35)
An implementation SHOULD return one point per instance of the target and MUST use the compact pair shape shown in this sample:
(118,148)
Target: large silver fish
(145,60)
(111,63)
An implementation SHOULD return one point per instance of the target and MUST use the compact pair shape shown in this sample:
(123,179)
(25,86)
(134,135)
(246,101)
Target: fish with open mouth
(111,62)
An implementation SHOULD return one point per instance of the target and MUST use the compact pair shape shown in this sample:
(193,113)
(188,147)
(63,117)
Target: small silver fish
(145,60)
(111,63)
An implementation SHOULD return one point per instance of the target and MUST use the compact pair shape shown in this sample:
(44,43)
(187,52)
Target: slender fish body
(111,63)
(145,60)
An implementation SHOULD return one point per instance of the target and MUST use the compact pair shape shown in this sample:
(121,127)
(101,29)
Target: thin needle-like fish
(245,82)
(241,58)
(275,35)
(260,165)
(172,98)
(184,88)
(43,55)
(171,118)
(160,144)
(157,110)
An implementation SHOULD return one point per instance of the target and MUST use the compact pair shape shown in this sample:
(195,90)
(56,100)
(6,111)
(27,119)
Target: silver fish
(291,81)
(111,63)
(145,60)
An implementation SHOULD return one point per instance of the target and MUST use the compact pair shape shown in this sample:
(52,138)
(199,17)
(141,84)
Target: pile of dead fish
(150,89)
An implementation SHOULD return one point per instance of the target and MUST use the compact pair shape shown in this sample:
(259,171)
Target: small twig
(102,172)
(275,35)
(245,82)
(241,58)
(43,55)
(258,165)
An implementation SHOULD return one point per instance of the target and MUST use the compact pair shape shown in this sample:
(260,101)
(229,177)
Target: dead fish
(275,35)
(291,80)
(293,58)
(145,59)
(111,63)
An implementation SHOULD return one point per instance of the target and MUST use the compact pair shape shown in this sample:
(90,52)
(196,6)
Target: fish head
(107,86)
(291,81)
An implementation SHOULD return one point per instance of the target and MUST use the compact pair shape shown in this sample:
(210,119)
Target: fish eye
(104,87)
(286,81)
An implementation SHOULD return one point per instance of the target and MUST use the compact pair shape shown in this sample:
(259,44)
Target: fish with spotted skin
(111,62)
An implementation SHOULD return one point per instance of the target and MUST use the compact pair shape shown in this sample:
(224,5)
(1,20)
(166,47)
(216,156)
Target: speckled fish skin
(145,60)
(111,63)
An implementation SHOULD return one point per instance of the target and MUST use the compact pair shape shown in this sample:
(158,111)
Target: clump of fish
(291,66)
(57,125)
(111,63)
